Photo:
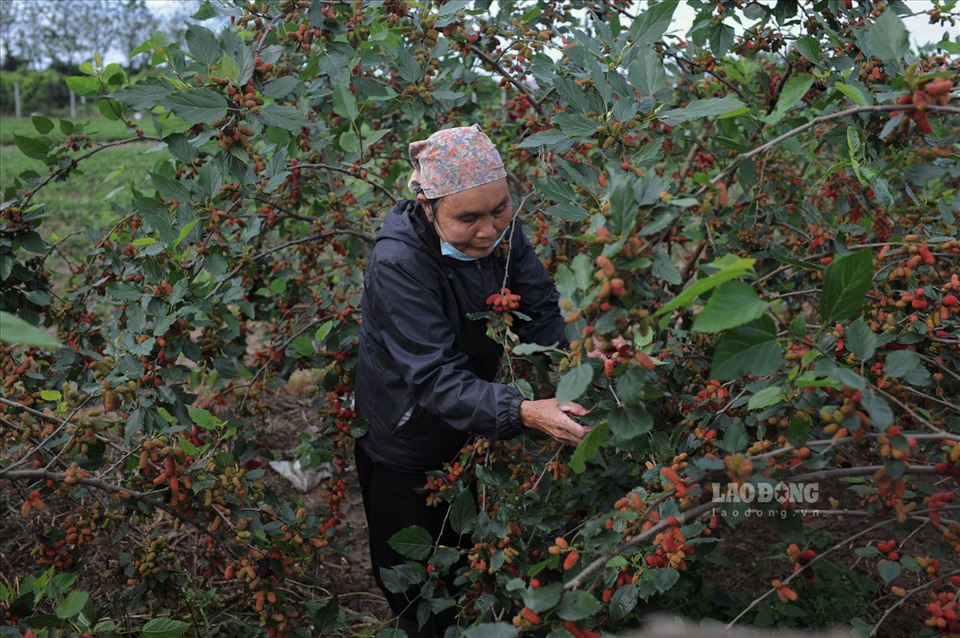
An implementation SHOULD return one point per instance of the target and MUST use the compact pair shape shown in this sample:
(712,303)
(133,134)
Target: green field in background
(86,200)
(98,128)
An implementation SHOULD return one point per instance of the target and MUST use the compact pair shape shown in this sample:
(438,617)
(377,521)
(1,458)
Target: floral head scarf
(453,160)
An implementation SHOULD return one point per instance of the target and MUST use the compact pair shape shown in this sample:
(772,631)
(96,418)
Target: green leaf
(84,86)
(851,92)
(463,512)
(732,304)
(349,142)
(845,283)
(281,87)
(575,124)
(286,117)
(793,91)
(751,349)
(765,398)
(203,45)
(33,147)
(881,416)
(73,604)
(697,109)
(185,231)
(543,138)
(170,188)
(664,268)
(164,628)
(729,269)
(861,339)
(197,105)
(156,217)
(887,38)
(50,395)
(721,38)
(589,446)
(623,602)
(323,331)
(344,103)
(146,93)
(188,448)
(664,579)
(906,364)
(541,599)
(735,438)
(574,382)
(577,605)
(13,329)
(798,432)
(629,422)
(491,630)
(43,124)
(653,23)
(809,47)
(204,419)
(647,74)
(526,349)
(412,542)
(632,385)
(303,346)
(889,569)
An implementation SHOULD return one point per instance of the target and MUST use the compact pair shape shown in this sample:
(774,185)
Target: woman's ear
(427,209)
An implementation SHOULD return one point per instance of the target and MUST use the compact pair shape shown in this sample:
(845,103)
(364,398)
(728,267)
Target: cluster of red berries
(504,301)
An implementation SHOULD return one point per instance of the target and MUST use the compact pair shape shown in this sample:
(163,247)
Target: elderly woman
(425,377)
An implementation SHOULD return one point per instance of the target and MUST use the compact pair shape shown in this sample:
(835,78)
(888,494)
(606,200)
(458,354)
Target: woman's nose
(487,228)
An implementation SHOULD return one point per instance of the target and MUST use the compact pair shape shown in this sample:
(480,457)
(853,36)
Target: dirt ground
(347,571)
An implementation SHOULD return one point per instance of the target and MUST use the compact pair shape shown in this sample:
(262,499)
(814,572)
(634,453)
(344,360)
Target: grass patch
(98,128)
(90,199)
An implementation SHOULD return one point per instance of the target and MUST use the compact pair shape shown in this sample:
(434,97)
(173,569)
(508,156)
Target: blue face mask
(447,249)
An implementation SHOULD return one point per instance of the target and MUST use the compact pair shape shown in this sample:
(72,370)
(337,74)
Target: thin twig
(354,174)
(499,69)
(816,558)
(882,108)
(64,171)
(903,599)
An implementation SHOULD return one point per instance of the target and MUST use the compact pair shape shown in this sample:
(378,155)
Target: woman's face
(472,220)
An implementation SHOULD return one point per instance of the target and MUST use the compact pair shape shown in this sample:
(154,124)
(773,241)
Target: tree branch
(64,171)
(864,470)
(499,69)
(143,497)
(353,174)
(303,240)
(877,108)
(691,514)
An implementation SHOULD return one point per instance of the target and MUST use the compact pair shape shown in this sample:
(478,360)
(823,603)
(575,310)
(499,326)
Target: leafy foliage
(754,239)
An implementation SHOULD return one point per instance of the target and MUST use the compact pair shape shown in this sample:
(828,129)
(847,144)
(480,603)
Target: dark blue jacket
(420,352)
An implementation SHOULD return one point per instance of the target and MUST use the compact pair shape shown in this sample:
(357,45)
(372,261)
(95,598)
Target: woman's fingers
(574,408)
(551,418)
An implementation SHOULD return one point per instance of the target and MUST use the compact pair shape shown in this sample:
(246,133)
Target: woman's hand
(551,418)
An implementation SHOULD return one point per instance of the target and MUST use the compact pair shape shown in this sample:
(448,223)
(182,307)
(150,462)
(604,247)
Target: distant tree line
(42,42)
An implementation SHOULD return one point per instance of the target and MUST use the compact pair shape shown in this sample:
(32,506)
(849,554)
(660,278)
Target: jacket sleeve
(410,321)
(538,296)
